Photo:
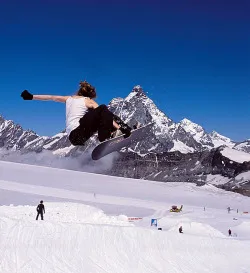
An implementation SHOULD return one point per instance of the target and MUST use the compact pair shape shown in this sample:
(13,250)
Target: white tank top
(75,109)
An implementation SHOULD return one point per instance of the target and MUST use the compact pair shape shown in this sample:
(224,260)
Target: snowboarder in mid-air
(40,210)
(84,117)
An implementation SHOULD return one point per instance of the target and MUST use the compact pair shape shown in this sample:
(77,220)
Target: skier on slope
(84,116)
(40,210)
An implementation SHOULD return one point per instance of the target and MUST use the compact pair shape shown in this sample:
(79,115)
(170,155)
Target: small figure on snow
(229,232)
(40,210)
(84,117)
(180,229)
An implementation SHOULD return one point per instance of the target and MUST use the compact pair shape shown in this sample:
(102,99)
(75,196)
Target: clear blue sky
(191,57)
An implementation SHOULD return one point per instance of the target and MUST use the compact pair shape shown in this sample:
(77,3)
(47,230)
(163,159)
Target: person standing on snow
(40,210)
(229,232)
(180,229)
(84,116)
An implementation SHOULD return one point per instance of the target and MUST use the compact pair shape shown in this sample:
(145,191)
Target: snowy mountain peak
(218,136)
(198,133)
(186,121)
(211,140)
(137,107)
(191,127)
(116,101)
(137,91)
(219,140)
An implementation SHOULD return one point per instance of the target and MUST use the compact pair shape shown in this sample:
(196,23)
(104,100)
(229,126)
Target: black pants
(95,120)
(39,213)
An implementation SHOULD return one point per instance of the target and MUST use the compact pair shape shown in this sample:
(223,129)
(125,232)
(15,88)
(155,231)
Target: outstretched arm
(26,95)
(50,97)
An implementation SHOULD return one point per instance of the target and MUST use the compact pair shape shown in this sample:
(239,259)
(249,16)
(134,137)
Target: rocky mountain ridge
(167,136)
(185,141)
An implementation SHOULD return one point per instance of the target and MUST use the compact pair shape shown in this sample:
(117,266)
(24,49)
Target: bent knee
(77,139)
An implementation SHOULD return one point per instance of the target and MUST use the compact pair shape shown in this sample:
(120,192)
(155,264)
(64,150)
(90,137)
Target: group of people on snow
(41,210)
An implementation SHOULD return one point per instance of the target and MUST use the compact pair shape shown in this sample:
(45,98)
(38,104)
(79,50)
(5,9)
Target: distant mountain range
(184,140)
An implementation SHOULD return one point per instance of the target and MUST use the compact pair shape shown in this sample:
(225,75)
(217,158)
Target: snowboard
(116,144)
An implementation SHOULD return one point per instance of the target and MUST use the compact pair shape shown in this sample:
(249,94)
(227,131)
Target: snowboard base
(116,144)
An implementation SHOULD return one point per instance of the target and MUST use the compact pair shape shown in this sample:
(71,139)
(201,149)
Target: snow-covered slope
(13,138)
(219,140)
(235,155)
(243,176)
(243,146)
(94,234)
(208,140)
(73,245)
(197,132)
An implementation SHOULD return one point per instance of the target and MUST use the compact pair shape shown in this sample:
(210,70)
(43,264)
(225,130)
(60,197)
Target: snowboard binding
(124,128)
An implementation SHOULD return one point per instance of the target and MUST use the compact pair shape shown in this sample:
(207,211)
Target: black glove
(26,95)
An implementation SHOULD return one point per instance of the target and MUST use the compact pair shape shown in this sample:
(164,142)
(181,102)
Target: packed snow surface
(87,226)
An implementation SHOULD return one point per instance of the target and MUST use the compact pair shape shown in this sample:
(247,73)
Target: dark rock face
(239,185)
(244,167)
(175,166)
(170,151)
